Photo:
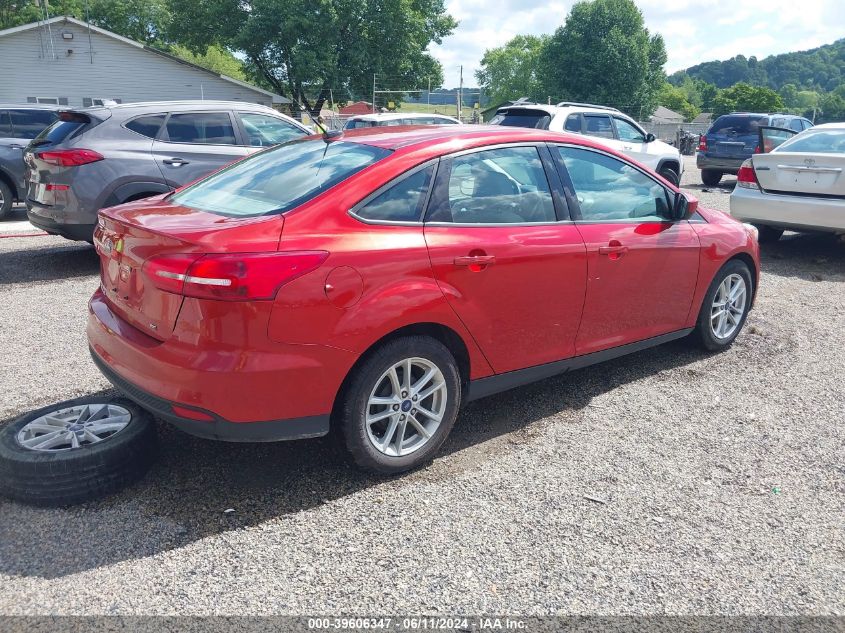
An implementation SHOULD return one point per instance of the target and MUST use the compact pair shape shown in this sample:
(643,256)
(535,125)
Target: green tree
(215,58)
(676,99)
(511,71)
(307,49)
(833,106)
(604,54)
(743,97)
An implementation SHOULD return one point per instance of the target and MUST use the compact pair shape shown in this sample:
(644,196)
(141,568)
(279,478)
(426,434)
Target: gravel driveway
(668,482)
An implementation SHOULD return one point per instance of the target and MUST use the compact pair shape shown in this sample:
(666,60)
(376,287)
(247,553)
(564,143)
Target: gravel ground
(718,481)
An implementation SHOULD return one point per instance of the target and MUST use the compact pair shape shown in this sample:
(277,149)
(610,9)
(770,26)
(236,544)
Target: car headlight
(751,230)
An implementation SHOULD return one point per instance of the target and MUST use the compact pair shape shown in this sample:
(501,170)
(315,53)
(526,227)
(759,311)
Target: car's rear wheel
(671,175)
(710,177)
(725,306)
(400,404)
(768,234)
(75,451)
(5,199)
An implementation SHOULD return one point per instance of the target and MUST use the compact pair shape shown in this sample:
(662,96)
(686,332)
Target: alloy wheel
(728,306)
(406,407)
(73,427)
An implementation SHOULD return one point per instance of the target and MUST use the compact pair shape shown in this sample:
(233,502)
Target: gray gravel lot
(720,480)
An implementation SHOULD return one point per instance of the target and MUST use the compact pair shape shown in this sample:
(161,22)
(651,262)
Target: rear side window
(280,178)
(147,125)
(30,123)
(522,117)
(263,130)
(5,124)
(402,202)
(209,128)
(733,124)
(598,125)
(573,123)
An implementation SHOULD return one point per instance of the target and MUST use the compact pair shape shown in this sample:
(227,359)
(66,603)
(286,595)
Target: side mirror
(649,138)
(685,206)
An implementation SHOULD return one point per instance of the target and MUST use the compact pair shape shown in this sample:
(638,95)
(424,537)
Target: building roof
(62,19)
(704,117)
(665,114)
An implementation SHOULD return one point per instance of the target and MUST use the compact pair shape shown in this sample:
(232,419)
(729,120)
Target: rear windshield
(816,142)
(58,132)
(356,123)
(737,124)
(539,119)
(280,178)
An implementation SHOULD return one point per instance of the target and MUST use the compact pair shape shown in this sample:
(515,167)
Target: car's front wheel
(400,404)
(710,177)
(725,306)
(5,199)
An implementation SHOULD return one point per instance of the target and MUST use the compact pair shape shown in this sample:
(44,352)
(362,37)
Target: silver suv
(103,156)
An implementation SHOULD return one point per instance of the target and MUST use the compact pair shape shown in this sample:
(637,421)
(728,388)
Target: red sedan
(378,279)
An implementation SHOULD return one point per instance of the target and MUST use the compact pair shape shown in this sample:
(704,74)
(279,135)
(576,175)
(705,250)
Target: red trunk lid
(130,234)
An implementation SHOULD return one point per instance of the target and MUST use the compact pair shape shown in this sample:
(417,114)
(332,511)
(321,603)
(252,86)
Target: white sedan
(799,185)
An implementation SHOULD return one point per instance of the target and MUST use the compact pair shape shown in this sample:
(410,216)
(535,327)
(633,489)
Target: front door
(512,272)
(642,267)
(193,144)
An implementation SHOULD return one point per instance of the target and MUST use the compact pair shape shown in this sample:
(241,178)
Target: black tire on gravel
(768,234)
(710,177)
(671,175)
(353,404)
(5,199)
(66,477)
(703,333)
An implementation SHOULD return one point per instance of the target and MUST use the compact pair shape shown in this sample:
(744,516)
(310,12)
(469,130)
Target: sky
(695,30)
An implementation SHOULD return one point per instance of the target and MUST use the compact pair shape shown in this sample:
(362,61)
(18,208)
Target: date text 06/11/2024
(419,623)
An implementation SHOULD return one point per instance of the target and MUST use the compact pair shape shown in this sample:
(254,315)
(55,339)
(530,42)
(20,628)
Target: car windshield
(280,178)
(352,124)
(737,124)
(815,141)
(539,119)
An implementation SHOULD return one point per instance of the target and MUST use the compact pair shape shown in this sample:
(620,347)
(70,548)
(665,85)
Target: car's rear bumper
(726,165)
(800,213)
(286,392)
(61,222)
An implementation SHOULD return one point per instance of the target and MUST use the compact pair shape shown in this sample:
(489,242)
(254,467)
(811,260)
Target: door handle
(176,162)
(16,146)
(475,263)
(614,250)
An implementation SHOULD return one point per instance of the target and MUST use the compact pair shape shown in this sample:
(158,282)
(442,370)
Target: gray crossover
(102,156)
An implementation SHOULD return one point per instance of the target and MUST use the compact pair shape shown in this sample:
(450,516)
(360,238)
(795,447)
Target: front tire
(710,177)
(5,199)
(75,451)
(400,405)
(671,175)
(768,234)
(725,307)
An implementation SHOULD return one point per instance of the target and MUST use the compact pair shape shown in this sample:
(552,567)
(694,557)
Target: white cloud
(695,30)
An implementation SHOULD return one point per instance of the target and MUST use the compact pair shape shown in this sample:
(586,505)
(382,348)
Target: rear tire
(671,175)
(61,475)
(768,234)
(710,177)
(381,411)
(709,330)
(5,199)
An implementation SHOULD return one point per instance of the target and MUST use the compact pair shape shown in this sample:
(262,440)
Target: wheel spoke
(378,417)
(400,435)
(394,381)
(43,441)
(107,427)
(430,414)
(406,382)
(426,378)
(389,433)
(91,437)
(419,427)
(383,401)
(435,387)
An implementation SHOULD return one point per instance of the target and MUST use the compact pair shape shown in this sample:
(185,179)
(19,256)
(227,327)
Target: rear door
(810,164)
(642,266)
(192,144)
(514,274)
(771,137)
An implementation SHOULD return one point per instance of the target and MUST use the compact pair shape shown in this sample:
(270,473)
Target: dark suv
(103,156)
(733,138)
(19,124)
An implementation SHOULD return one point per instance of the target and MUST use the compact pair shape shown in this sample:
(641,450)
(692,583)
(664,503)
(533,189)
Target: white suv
(608,126)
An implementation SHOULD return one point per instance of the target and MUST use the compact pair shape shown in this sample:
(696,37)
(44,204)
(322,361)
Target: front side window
(211,128)
(263,130)
(30,123)
(402,202)
(796,125)
(280,178)
(147,125)
(627,132)
(599,125)
(610,190)
(497,186)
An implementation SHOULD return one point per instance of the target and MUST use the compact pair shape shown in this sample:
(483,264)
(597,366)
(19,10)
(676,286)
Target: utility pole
(429,91)
(461,93)
(374,93)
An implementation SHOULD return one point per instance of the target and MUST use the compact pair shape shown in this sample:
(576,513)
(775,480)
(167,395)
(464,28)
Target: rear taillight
(702,143)
(746,177)
(234,277)
(69,157)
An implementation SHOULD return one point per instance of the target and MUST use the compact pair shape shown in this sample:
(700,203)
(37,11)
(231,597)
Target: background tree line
(306,50)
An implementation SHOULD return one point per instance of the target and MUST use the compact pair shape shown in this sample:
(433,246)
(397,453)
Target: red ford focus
(379,279)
